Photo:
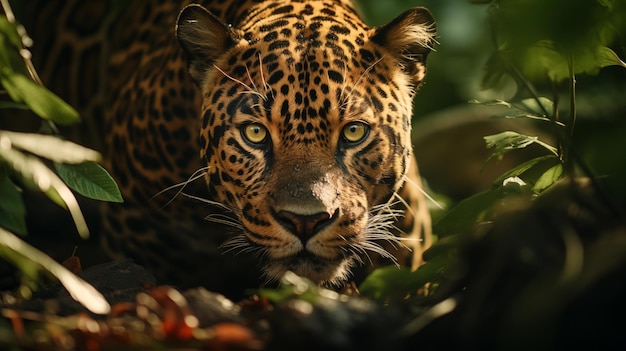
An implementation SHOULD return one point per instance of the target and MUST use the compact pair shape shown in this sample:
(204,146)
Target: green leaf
(468,212)
(31,260)
(50,147)
(539,106)
(15,105)
(548,178)
(607,57)
(9,30)
(12,211)
(36,175)
(91,180)
(43,102)
(393,283)
(508,141)
(542,163)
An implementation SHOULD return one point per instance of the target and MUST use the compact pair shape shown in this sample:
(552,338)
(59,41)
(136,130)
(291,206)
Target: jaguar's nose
(304,226)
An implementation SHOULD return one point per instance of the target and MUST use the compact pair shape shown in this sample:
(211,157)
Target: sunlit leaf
(496,102)
(91,180)
(508,141)
(608,57)
(540,106)
(37,175)
(80,290)
(542,163)
(9,30)
(43,102)
(51,147)
(548,178)
(12,211)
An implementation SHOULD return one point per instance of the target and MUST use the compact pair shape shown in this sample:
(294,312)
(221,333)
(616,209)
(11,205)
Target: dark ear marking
(410,38)
(204,38)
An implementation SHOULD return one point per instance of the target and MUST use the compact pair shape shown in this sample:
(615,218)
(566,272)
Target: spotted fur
(263,136)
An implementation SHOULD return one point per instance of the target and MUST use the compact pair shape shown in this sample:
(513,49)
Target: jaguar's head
(306,127)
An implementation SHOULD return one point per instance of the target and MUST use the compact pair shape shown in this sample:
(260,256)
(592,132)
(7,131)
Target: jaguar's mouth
(313,267)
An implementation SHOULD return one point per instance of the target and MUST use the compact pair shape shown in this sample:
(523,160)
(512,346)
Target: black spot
(279,44)
(284,89)
(216,95)
(275,78)
(247,54)
(313,94)
(340,29)
(283,9)
(378,105)
(273,25)
(335,76)
(270,36)
(367,55)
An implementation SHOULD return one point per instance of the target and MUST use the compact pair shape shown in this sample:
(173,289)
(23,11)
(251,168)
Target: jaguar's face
(306,135)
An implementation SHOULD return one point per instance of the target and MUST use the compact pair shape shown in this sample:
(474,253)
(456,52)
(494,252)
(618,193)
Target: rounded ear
(410,37)
(204,38)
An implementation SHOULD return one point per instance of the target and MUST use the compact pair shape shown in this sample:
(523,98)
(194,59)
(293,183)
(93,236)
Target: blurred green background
(448,131)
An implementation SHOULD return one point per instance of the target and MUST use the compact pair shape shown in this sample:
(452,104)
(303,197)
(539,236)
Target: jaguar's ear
(204,38)
(410,37)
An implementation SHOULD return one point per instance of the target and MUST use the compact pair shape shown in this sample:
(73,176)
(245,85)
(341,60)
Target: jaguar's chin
(318,269)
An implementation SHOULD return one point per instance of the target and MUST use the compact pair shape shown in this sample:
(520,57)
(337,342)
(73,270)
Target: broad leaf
(607,57)
(524,170)
(541,106)
(91,180)
(508,141)
(35,174)
(31,260)
(548,178)
(51,147)
(43,102)
(12,211)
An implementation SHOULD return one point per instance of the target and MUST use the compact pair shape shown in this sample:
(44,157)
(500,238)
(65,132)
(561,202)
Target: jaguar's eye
(255,133)
(355,132)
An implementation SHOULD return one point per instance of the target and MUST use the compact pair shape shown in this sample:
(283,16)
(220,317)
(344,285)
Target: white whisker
(248,90)
(207,201)
(200,173)
(412,182)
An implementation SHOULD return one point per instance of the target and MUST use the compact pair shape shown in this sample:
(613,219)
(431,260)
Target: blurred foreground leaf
(35,174)
(50,147)
(43,102)
(12,211)
(32,261)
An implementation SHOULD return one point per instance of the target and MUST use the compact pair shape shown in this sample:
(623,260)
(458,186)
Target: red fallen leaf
(73,263)
(122,308)
(178,322)
(90,333)
(232,336)
(16,321)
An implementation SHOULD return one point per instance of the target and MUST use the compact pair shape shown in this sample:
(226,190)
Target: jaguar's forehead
(304,69)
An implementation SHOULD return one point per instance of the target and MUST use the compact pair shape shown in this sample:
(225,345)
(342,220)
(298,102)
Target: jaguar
(251,138)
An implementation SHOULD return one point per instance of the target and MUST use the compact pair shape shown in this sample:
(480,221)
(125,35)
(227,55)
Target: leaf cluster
(44,162)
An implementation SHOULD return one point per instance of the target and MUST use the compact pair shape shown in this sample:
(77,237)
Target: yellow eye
(355,132)
(255,133)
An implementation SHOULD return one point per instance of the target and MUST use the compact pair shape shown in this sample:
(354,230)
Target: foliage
(24,163)
(553,50)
